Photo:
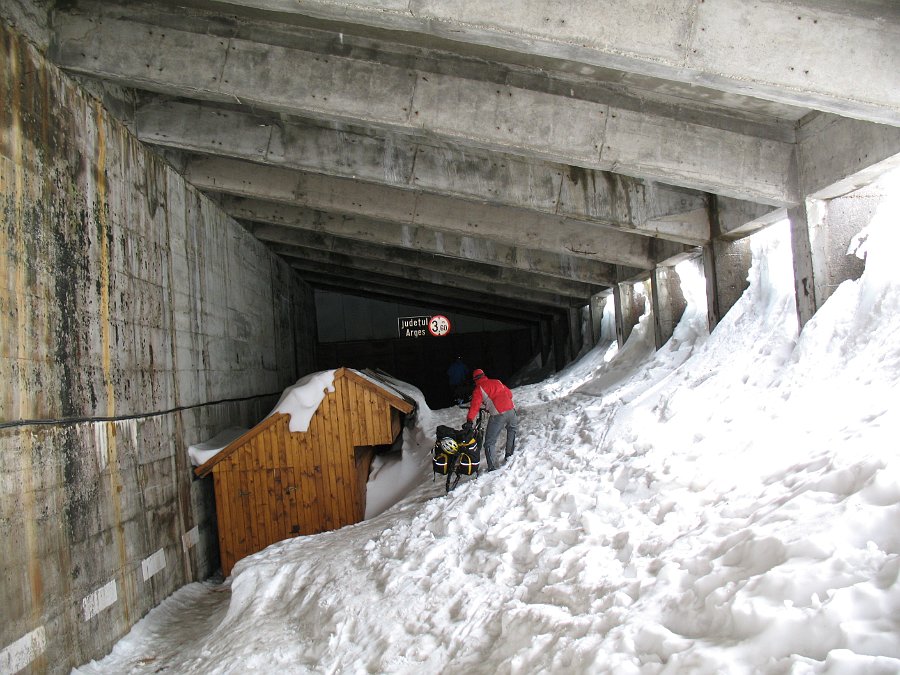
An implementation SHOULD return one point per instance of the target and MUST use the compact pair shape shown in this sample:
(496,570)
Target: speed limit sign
(439,325)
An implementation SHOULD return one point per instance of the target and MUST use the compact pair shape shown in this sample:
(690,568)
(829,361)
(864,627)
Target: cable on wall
(67,421)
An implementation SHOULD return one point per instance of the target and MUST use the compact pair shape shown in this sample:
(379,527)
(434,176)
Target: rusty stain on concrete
(23,348)
(103,232)
(115,480)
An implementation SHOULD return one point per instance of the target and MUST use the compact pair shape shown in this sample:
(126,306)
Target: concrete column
(597,305)
(546,340)
(560,342)
(726,265)
(809,259)
(620,324)
(821,232)
(576,331)
(844,218)
(668,302)
(726,262)
(534,336)
(630,307)
(608,317)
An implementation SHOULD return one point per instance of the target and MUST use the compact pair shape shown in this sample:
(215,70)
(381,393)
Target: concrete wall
(135,319)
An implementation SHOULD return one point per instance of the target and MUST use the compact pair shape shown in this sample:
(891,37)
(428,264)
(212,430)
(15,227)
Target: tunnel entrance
(360,332)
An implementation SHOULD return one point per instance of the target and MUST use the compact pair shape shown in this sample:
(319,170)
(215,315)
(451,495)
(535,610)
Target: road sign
(423,326)
(439,325)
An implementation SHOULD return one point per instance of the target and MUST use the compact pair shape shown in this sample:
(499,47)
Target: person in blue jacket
(458,378)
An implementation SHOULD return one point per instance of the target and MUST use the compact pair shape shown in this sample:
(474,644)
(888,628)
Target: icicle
(101,445)
(130,426)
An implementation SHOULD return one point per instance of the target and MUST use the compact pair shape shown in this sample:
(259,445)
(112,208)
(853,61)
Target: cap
(477,374)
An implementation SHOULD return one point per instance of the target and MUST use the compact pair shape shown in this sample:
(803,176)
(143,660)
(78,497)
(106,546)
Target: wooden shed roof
(369,379)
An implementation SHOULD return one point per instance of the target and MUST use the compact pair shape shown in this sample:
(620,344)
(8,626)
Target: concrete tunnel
(204,200)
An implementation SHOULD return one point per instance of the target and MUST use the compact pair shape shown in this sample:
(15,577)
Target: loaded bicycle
(457,452)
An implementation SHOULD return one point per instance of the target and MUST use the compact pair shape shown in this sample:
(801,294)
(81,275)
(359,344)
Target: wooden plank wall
(372,416)
(257,494)
(280,484)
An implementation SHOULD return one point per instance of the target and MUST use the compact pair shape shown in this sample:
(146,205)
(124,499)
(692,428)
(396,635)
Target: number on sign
(439,325)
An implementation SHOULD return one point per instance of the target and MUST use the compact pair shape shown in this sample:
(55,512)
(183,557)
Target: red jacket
(499,397)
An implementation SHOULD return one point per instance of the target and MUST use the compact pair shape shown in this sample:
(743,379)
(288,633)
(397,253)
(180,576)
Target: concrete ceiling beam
(515,227)
(418,275)
(452,109)
(439,304)
(594,196)
(829,55)
(283,240)
(414,238)
(737,219)
(466,300)
(838,155)
(428,303)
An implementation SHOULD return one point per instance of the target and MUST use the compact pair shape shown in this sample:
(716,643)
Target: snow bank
(728,504)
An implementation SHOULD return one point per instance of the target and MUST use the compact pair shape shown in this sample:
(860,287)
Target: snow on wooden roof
(301,401)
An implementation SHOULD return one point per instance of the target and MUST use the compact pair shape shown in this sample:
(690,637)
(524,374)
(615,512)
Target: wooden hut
(273,484)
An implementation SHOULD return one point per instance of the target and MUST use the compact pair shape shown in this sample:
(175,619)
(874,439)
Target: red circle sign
(439,325)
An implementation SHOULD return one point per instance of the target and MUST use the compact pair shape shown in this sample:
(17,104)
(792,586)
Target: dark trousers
(498,423)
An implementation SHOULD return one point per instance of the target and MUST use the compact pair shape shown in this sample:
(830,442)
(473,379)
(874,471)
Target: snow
(301,400)
(200,453)
(727,504)
(391,480)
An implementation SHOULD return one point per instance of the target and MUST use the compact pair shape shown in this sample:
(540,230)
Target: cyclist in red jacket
(498,399)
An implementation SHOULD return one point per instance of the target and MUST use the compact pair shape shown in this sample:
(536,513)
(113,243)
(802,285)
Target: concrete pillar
(726,265)
(844,218)
(821,232)
(630,306)
(668,302)
(809,257)
(620,324)
(559,342)
(576,331)
(608,318)
(534,336)
(597,306)
(546,340)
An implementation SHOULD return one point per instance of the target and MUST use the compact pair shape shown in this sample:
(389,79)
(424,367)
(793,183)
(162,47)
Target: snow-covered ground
(728,504)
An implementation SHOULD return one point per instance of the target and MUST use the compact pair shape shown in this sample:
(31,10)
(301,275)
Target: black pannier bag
(455,448)
(442,454)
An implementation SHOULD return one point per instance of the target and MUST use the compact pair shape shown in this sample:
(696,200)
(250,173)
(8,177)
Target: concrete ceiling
(482,153)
